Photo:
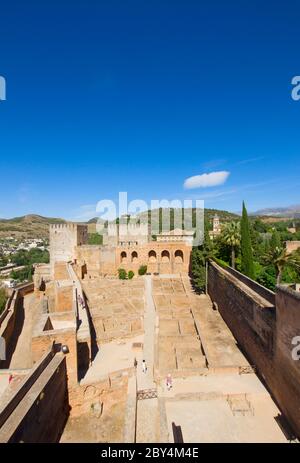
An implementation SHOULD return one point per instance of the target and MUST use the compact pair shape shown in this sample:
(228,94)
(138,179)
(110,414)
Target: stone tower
(216,226)
(64,238)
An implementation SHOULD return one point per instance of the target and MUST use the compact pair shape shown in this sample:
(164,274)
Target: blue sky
(138,96)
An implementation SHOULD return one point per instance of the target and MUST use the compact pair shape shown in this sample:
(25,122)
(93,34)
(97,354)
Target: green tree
(275,241)
(281,259)
(142,270)
(247,266)
(130,275)
(231,236)
(95,239)
(198,269)
(3,260)
(200,255)
(22,275)
(34,256)
(122,274)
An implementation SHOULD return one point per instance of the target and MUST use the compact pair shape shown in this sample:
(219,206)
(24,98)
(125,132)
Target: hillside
(28,226)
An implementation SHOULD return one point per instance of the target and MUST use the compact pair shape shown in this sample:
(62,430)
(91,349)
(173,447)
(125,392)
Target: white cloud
(206,180)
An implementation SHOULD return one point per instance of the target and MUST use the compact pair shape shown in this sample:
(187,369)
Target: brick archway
(123,256)
(134,256)
(152,258)
(179,256)
(165,256)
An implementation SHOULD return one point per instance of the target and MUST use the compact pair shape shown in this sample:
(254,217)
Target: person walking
(144,366)
(169,381)
(135,363)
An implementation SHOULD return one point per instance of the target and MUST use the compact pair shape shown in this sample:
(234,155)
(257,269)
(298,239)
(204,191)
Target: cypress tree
(200,255)
(247,265)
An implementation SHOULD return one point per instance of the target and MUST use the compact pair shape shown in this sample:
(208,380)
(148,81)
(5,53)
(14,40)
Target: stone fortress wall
(292,246)
(131,233)
(64,238)
(127,248)
(264,325)
(160,257)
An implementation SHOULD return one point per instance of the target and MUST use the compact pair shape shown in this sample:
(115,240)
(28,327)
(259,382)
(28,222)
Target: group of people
(144,369)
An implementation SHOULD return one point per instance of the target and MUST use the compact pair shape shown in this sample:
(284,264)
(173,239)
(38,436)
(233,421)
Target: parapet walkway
(220,347)
(147,409)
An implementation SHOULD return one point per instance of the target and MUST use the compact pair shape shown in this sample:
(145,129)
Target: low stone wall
(11,400)
(38,410)
(84,339)
(259,289)
(12,319)
(99,394)
(44,335)
(264,334)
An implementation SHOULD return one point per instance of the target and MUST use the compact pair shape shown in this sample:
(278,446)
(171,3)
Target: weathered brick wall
(264,334)
(287,368)
(158,260)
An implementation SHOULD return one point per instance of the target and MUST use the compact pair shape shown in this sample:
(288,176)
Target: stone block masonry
(264,331)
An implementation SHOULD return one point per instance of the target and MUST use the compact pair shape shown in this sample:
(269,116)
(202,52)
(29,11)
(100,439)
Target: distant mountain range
(37,226)
(284,212)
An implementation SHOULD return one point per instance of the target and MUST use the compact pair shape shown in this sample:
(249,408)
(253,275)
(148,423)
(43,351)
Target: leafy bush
(130,275)
(34,256)
(143,270)
(221,262)
(198,269)
(24,274)
(95,239)
(122,274)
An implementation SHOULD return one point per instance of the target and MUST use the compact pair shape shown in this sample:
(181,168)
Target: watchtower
(64,238)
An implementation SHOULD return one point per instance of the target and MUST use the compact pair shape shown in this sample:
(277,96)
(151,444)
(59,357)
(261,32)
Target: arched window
(134,256)
(123,256)
(179,256)
(152,256)
(165,256)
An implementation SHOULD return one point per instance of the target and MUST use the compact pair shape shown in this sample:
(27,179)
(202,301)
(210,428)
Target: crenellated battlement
(68,225)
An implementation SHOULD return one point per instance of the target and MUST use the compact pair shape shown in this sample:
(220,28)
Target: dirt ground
(94,427)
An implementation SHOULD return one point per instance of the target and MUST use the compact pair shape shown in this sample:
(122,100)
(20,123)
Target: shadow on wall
(83,359)
(177,434)
(18,324)
(94,345)
(285,427)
